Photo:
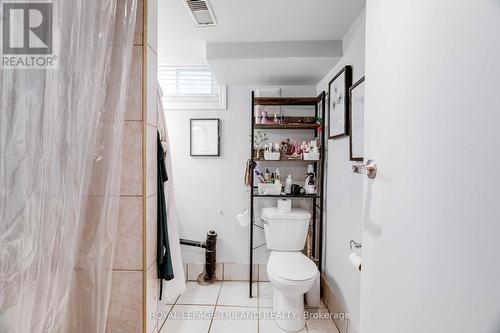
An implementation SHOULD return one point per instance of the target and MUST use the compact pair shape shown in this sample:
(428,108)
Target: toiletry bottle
(288,184)
(310,183)
(267,175)
(277,179)
(260,178)
(310,170)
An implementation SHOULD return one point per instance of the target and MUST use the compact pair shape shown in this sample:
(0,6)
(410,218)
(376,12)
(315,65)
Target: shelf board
(286,126)
(285,160)
(304,196)
(286,100)
(300,196)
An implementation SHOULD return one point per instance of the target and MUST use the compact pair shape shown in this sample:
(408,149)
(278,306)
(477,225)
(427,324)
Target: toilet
(290,272)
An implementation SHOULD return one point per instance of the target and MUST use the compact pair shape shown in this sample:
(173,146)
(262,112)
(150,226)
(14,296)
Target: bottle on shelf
(263,119)
(260,177)
(310,183)
(267,175)
(288,184)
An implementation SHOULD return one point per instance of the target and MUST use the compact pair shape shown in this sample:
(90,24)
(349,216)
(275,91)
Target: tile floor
(224,307)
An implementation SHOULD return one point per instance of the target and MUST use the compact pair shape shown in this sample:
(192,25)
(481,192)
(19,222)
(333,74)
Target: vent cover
(201,12)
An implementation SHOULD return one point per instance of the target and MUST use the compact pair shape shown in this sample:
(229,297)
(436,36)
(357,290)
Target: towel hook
(356,244)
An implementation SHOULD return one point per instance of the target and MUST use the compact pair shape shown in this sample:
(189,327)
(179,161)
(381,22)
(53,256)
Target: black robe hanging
(164,258)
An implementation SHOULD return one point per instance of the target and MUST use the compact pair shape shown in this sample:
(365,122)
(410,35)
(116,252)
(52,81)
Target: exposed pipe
(210,246)
(210,256)
(189,242)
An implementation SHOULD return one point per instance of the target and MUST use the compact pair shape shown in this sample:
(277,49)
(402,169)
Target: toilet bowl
(292,275)
(290,272)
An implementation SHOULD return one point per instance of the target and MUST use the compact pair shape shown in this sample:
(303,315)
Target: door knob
(369,168)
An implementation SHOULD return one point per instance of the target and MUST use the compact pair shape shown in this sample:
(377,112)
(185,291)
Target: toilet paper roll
(355,260)
(243,218)
(284,205)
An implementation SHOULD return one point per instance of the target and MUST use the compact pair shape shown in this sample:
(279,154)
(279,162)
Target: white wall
(430,238)
(344,189)
(205,185)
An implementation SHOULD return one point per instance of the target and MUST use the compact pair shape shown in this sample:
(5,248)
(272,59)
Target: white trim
(216,100)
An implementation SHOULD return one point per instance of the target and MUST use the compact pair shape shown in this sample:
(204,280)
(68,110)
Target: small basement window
(190,88)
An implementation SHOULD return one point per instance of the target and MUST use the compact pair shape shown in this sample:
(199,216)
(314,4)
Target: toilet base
(291,281)
(289,311)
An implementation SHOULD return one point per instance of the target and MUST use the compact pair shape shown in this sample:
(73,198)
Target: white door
(431,229)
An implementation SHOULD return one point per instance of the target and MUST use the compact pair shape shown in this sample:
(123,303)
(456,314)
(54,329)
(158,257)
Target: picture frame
(204,139)
(356,120)
(338,103)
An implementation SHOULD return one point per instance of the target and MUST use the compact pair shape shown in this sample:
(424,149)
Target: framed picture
(205,137)
(338,103)
(357,117)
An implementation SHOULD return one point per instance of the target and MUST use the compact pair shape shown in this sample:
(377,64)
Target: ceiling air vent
(201,12)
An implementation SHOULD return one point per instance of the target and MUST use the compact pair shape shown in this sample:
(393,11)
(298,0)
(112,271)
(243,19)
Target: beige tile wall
(134,98)
(151,218)
(128,248)
(131,176)
(150,115)
(134,289)
(125,311)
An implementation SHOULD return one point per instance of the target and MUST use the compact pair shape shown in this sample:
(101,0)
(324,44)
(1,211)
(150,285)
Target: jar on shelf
(263,120)
(258,116)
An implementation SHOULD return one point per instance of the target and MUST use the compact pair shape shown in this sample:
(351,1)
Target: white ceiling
(180,42)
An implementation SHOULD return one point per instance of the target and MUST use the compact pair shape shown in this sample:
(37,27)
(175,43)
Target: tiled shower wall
(134,286)
(150,130)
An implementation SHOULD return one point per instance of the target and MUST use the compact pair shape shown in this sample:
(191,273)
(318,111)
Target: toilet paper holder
(355,244)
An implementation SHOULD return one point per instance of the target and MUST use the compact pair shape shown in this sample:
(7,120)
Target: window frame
(217,100)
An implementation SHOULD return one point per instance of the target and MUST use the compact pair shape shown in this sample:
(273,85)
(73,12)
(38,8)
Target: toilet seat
(291,267)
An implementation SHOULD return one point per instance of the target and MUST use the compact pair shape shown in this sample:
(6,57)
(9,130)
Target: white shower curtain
(60,161)
(177,285)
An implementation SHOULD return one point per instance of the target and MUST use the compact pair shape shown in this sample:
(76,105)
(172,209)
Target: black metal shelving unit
(318,199)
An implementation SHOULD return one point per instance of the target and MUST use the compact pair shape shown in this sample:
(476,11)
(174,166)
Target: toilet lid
(293,266)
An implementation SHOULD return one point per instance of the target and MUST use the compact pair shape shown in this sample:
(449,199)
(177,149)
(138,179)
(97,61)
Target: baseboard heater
(210,245)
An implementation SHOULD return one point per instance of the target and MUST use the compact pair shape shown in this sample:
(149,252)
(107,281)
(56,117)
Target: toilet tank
(285,231)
